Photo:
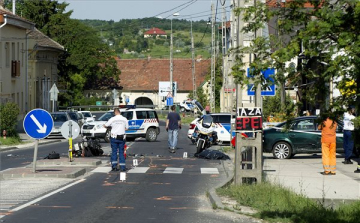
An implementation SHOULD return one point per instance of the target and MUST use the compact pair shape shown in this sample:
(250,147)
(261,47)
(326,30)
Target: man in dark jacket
(173,124)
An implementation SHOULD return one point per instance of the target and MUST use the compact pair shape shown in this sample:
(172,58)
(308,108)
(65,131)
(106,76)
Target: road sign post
(37,124)
(54,91)
(70,130)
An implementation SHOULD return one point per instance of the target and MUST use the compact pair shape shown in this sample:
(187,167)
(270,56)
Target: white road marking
(103,169)
(46,195)
(139,170)
(173,170)
(209,170)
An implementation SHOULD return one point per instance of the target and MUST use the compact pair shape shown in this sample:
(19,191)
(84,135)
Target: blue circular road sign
(38,123)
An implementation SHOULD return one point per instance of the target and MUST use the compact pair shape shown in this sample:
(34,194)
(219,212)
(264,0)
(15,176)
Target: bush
(8,118)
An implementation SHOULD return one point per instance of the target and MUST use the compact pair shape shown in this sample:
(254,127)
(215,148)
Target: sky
(133,9)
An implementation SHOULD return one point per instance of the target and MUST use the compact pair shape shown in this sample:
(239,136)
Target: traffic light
(121,100)
(173,89)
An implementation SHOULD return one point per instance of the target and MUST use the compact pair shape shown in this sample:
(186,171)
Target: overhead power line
(173,8)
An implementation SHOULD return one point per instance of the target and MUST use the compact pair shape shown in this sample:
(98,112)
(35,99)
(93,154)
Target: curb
(213,197)
(27,145)
(73,174)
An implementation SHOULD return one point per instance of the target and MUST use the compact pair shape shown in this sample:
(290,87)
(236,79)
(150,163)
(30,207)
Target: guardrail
(100,107)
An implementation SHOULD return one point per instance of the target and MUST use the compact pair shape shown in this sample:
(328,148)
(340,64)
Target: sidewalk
(302,174)
(27,141)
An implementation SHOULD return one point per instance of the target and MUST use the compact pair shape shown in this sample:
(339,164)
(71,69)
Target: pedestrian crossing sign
(267,89)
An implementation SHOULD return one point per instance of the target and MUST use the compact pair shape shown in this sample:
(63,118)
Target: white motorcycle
(206,134)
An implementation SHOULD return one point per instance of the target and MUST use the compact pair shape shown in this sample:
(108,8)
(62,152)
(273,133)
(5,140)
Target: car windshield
(59,117)
(73,116)
(106,116)
(86,114)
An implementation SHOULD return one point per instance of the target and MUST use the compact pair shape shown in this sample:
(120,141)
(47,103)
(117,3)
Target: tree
(8,118)
(326,36)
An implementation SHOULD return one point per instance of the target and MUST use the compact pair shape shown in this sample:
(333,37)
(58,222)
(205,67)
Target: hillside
(126,37)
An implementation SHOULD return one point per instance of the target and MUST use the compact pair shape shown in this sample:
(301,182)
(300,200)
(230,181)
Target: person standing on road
(328,146)
(173,124)
(119,124)
(349,134)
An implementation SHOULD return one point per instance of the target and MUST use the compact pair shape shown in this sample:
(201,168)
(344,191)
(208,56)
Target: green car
(302,137)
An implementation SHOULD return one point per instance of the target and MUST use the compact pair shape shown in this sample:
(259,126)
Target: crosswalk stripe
(103,169)
(209,170)
(139,170)
(173,170)
(168,170)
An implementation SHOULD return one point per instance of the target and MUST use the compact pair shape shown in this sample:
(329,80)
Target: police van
(223,127)
(143,122)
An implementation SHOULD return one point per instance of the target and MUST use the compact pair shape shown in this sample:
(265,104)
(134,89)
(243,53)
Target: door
(304,135)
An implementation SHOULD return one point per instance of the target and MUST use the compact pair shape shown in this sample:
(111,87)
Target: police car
(223,127)
(143,122)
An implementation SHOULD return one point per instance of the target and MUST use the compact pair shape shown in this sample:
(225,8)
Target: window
(152,114)
(1,53)
(305,125)
(141,114)
(106,116)
(224,119)
(7,54)
(127,114)
(13,50)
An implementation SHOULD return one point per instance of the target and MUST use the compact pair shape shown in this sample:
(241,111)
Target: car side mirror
(94,116)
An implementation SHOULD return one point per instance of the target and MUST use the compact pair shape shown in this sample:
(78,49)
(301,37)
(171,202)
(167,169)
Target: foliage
(202,98)
(331,48)
(10,141)
(271,108)
(8,118)
(282,205)
(87,58)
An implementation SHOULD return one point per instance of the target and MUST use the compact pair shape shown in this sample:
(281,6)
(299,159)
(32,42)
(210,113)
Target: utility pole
(193,63)
(224,99)
(213,54)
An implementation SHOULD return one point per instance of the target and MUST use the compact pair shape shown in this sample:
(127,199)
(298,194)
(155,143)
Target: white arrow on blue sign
(38,123)
(270,89)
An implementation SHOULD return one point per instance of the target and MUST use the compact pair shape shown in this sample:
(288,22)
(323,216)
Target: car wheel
(151,135)
(107,136)
(182,109)
(282,150)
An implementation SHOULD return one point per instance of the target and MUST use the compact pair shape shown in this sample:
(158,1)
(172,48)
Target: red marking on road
(114,207)
(163,198)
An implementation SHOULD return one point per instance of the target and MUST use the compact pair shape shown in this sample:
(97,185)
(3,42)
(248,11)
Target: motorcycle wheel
(200,146)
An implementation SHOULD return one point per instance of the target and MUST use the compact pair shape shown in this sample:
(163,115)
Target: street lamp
(171,54)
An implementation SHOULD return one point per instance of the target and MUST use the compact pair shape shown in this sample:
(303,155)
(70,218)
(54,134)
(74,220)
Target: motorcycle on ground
(206,134)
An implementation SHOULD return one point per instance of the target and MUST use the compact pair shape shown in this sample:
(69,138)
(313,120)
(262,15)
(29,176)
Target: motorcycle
(206,136)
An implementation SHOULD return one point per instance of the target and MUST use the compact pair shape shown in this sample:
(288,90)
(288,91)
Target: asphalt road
(150,196)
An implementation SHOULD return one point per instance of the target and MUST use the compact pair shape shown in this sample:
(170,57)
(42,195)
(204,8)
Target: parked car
(186,105)
(143,122)
(301,137)
(223,126)
(77,117)
(59,118)
(89,117)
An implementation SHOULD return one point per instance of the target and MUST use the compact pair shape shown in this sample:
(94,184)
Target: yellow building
(28,64)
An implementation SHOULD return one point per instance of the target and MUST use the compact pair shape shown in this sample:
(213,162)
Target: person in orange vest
(328,146)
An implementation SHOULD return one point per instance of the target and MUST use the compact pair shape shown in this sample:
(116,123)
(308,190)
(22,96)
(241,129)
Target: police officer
(118,125)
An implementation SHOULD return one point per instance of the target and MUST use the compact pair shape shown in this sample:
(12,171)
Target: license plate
(86,131)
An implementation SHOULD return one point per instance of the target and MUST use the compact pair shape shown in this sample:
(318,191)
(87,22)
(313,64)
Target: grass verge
(277,204)
(184,120)
(10,141)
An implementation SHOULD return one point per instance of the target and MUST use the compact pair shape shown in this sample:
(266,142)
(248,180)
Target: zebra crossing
(168,170)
